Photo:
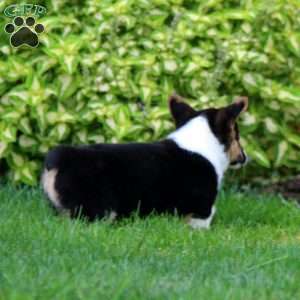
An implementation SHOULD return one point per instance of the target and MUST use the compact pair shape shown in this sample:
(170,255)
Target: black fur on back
(124,178)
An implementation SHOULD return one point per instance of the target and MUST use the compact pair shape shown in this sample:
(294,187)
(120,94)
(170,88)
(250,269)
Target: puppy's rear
(49,176)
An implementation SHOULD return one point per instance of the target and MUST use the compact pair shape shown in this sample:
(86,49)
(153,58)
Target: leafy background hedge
(104,70)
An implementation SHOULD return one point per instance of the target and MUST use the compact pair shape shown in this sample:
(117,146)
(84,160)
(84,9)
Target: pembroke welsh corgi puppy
(181,173)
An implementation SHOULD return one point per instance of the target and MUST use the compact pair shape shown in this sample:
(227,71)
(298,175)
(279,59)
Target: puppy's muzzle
(241,160)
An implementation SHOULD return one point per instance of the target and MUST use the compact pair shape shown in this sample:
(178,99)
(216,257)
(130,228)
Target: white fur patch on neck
(197,137)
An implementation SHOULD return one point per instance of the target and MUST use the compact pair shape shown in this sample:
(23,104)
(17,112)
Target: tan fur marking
(48,182)
(235,149)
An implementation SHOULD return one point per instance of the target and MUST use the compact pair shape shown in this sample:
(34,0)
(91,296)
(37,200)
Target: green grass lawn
(251,252)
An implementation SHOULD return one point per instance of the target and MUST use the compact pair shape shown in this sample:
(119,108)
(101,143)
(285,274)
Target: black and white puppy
(179,174)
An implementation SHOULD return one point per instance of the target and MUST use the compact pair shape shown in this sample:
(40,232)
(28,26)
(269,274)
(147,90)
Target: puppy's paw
(198,223)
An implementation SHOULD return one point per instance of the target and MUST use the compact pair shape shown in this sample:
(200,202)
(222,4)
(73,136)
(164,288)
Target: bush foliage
(104,70)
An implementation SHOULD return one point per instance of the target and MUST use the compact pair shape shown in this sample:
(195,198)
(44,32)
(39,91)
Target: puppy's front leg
(201,223)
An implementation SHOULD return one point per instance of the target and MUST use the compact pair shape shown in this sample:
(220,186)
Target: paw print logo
(24,33)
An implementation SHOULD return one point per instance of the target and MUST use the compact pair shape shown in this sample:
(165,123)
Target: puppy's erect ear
(228,115)
(234,110)
(180,110)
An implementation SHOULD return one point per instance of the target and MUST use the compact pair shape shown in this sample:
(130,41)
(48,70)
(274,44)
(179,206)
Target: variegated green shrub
(104,70)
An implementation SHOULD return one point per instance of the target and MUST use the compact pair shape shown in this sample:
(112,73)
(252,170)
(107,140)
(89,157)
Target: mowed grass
(251,252)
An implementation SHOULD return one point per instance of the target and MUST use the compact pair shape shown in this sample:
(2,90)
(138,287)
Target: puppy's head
(222,122)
